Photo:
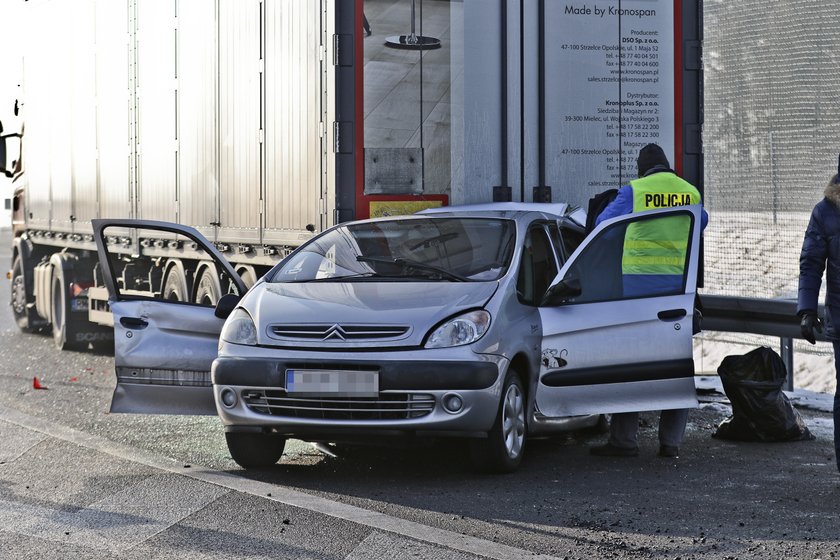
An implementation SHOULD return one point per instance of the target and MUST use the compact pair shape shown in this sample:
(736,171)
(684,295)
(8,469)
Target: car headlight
(239,329)
(460,330)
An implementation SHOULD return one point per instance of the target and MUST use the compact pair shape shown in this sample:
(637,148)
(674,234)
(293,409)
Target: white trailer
(262,122)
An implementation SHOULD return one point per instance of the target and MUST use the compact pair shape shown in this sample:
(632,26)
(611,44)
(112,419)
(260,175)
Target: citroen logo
(334,331)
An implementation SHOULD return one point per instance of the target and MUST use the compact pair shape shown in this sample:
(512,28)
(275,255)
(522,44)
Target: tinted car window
(634,260)
(475,249)
(538,267)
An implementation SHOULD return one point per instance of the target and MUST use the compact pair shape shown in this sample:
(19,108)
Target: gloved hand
(810,323)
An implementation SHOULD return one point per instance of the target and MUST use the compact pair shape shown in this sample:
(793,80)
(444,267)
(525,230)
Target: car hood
(358,314)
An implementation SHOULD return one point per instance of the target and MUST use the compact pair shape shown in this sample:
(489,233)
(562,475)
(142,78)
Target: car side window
(538,267)
(565,240)
(641,258)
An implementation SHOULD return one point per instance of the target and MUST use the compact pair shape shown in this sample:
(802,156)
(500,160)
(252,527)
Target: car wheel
(254,450)
(502,450)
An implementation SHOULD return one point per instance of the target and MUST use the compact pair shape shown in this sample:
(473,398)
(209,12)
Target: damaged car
(491,323)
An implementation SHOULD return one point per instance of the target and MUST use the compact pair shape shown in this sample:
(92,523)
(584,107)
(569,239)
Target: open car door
(617,338)
(164,283)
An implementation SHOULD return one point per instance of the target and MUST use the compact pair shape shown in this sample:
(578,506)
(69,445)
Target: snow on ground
(813,372)
(752,254)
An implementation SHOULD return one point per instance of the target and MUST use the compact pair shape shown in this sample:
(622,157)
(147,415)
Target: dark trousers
(835,315)
(625,426)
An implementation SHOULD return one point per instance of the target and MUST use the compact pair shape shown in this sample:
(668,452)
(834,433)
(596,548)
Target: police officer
(647,271)
(821,251)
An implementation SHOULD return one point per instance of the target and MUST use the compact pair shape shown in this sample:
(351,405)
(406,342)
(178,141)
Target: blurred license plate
(333,383)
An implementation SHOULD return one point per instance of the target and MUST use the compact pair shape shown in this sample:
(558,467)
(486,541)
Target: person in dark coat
(821,253)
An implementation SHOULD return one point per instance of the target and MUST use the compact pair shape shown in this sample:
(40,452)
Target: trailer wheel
(175,284)
(208,291)
(19,299)
(61,314)
(248,275)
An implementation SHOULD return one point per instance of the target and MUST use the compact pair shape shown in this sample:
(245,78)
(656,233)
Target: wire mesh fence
(771,141)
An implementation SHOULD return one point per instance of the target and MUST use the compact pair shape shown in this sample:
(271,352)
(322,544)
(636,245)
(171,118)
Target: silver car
(487,322)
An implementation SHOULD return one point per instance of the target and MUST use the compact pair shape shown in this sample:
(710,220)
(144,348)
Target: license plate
(332,383)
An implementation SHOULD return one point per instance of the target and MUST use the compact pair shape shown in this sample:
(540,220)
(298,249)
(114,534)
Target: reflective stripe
(662,244)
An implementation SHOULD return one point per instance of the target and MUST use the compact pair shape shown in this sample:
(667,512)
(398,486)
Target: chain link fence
(771,141)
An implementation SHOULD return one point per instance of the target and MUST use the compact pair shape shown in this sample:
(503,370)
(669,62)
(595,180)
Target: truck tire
(175,284)
(253,450)
(208,291)
(248,275)
(62,325)
(502,450)
(19,300)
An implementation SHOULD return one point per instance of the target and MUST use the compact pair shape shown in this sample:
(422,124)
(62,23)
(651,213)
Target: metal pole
(787,358)
(773,179)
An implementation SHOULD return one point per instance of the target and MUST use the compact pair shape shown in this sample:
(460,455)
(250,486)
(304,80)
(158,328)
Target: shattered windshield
(424,249)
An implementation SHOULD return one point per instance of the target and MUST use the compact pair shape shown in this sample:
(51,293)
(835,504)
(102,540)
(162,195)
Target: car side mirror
(560,292)
(7,167)
(227,303)
(3,154)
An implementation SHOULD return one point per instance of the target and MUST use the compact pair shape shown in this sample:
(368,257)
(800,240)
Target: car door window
(162,265)
(538,267)
(565,240)
(645,257)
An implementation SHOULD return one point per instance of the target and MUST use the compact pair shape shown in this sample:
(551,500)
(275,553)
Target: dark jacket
(821,252)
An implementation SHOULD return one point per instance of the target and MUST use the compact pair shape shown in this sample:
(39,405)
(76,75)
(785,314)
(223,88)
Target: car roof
(557,210)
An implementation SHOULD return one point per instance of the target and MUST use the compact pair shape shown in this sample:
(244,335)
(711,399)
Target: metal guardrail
(771,317)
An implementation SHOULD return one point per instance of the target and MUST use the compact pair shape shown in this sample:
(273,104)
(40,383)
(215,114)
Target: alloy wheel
(513,421)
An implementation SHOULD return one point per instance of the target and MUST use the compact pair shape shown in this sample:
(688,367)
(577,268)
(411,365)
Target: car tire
(253,450)
(502,450)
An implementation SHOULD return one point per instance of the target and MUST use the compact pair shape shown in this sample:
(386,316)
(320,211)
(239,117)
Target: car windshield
(426,249)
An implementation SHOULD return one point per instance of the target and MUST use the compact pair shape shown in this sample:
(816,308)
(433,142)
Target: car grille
(387,406)
(335,332)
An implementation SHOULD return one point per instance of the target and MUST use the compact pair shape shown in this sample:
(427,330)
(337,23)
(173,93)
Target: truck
(261,123)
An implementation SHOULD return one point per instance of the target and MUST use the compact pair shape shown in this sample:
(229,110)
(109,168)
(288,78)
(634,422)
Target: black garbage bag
(760,410)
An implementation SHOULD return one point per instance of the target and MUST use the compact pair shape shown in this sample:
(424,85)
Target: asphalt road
(76,481)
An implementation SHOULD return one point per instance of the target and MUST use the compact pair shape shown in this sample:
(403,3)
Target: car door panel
(163,356)
(619,355)
(163,350)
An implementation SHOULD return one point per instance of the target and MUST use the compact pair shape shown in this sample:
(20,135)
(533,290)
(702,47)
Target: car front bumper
(412,388)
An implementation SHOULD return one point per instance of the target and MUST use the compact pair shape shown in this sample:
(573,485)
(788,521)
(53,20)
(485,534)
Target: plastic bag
(760,410)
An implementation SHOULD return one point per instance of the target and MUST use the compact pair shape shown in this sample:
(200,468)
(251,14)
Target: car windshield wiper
(417,265)
(338,278)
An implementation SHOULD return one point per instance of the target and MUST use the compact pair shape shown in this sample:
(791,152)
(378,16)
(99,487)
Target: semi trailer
(263,122)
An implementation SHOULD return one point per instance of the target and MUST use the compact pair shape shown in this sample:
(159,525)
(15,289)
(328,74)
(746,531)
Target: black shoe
(610,450)
(669,451)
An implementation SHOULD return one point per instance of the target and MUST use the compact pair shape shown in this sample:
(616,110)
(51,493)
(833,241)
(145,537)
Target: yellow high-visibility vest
(658,246)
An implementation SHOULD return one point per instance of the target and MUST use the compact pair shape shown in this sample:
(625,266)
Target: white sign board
(610,89)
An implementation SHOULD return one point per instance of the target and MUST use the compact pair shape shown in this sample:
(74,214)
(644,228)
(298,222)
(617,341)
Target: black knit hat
(649,157)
